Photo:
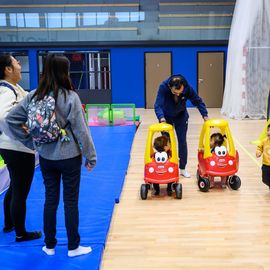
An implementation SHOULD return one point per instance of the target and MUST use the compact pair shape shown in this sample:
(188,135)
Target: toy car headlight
(170,169)
(151,169)
(230,162)
(212,163)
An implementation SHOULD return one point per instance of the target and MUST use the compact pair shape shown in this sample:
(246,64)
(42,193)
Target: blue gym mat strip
(99,191)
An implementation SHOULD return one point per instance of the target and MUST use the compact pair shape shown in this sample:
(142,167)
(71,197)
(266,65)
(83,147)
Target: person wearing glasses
(170,107)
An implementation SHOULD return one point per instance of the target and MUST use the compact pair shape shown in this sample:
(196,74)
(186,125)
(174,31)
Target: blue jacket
(165,104)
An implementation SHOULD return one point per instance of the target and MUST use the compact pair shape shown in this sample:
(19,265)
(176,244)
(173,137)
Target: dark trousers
(180,123)
(157,188)
(266,175)
(21,167)
(70,171)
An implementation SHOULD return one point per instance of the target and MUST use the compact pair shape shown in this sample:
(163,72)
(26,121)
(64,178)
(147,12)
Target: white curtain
(248,61)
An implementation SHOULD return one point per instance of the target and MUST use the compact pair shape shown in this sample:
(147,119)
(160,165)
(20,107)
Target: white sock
(48,251)
(79,251)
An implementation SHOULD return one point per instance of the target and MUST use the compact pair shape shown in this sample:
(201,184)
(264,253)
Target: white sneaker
(49,251)
(185,173)
(79,251)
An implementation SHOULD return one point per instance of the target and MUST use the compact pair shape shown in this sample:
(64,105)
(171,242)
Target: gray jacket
(71,112)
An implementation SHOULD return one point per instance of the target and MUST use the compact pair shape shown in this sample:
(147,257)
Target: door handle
(201,80)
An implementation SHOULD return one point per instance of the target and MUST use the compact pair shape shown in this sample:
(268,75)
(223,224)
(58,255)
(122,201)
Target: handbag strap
(10,87)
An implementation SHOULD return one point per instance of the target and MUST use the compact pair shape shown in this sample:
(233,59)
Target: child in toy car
(162,146)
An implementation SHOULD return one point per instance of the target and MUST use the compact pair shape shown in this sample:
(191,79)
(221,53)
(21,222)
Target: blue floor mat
(99,191)
(35,259)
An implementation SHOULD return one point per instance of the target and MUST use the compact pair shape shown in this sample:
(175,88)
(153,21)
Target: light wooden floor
(221,229)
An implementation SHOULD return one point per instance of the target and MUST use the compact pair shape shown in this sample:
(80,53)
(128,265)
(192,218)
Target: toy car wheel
(234,182)
(178,191)
(144,191)
(203,184)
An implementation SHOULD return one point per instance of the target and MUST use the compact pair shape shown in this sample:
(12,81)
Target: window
(53,20)
(69,19)
(32,20)
(24,62)
(89,18)
(3,20)
(88,70)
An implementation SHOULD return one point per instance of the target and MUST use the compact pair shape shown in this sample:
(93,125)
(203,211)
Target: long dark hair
(5,61)
(55,76)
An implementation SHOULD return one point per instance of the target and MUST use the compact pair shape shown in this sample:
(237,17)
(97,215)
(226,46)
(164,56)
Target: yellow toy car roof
(204,141)
(152,129)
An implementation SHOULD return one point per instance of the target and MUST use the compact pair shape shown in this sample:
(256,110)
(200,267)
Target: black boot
(7,229)
(157,189)
(28,236)
(169,189)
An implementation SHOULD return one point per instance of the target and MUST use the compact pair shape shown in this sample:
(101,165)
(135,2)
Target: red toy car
(159,168)
(223,162)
